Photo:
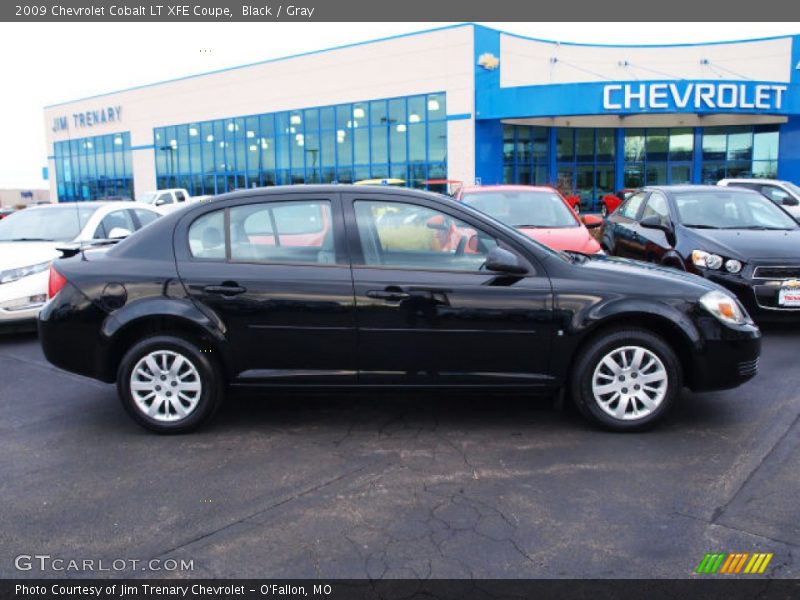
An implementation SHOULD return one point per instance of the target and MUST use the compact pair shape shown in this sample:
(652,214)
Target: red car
(539,212)
(610,202)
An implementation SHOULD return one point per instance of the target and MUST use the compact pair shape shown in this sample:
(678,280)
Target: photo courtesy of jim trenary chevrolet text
(356,300)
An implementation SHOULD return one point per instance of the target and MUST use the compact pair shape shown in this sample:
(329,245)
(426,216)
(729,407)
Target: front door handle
(390,294)
(225,290)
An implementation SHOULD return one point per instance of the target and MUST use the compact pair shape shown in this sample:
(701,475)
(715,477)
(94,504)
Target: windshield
(148,197)
(52,224)
(524,208)
(725,210)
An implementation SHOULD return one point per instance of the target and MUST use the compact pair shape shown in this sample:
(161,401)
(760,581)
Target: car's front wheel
(626,380)
(168,385)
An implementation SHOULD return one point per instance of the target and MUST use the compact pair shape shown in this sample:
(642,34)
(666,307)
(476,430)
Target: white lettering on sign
(699,96)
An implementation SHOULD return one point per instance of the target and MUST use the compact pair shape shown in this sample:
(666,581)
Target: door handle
(390,294)
(224,290)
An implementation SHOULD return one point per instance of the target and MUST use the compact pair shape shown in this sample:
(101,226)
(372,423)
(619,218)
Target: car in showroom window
(341,285)
(30,238)
(732,236)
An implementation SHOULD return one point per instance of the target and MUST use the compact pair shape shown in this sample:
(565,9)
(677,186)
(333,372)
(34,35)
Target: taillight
(57,281)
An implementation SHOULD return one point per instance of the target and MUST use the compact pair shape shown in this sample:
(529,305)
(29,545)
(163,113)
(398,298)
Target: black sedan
(319,286)
(732,236)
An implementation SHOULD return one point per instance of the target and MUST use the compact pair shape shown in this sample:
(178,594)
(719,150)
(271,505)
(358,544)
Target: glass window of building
(94,168)
(526,155)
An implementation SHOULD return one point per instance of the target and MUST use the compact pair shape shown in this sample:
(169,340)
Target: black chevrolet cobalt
(343,286)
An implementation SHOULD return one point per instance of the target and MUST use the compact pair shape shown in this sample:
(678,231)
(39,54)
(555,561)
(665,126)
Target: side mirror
(654,222)
(437,222)
(503,261)
(118,233)
(592,221)
(789,201)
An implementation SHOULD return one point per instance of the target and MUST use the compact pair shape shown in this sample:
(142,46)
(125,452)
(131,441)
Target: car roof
(507,187)
(752,180)
(327,188)
(695,188)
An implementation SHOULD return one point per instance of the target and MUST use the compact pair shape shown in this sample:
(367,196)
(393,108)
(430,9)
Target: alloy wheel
(629,383)
(165,386)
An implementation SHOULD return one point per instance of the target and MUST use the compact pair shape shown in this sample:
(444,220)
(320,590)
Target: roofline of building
(398,36)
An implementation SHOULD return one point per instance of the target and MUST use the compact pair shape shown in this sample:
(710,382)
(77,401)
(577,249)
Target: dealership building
(461,103)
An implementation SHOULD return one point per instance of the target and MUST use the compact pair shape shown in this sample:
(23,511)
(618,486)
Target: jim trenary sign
(694,96)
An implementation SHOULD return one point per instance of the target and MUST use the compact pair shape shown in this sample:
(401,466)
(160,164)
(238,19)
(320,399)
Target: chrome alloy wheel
(629,383)
(165,386)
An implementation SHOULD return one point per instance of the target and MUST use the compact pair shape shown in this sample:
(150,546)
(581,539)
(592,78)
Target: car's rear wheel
(626,380)
(168,385)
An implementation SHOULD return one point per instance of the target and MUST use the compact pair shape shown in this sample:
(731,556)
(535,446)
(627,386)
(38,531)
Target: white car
(783,193)
(29,240)
(166,201)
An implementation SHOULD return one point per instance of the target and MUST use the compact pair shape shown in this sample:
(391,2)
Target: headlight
(724,307)
(733,266)
(13,274)
(706,260)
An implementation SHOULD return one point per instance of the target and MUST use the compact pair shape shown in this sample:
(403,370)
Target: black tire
(210,375)
(590,356)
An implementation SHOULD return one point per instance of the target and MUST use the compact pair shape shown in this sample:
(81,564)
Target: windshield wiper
(761,228)
(27,239)
(700,226)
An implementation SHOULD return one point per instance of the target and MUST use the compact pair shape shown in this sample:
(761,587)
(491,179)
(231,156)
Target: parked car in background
(314,285)
(29,240)
(732,236)
(166,201)
(539,212)
(783,193)
(4,212)
(611,202)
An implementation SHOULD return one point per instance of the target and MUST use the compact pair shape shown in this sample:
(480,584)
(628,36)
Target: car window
(775,194)
(630,207)
(113,220)
(164,199)
(145,216)
(207,236)
(398,234)
(298,231)
(727,210)
(657,206)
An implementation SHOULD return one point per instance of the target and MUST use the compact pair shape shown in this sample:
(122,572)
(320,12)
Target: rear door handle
(225,290)
(390,294)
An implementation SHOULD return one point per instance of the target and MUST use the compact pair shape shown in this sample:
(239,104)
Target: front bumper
(728,360)
(759,296)
(21,300)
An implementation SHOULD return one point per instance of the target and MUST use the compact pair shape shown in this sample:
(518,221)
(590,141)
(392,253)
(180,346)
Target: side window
(657,206)
(118,219)
(180,196)
(397,234)
(207,236)
(163,199)
(631,206)
(775,194)
(145,216)
(295,232)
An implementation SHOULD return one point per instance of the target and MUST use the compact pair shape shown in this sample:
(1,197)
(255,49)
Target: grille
(748,368)
(777,272)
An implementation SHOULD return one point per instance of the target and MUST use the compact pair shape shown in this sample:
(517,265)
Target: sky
(46,63)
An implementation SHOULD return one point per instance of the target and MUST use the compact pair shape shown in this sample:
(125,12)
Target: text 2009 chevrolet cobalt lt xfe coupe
(370,286)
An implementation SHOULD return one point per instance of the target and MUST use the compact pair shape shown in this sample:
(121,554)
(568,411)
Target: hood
(745,244)
(577,239)
(14,255)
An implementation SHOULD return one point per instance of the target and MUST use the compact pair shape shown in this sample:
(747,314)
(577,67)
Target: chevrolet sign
(689,95)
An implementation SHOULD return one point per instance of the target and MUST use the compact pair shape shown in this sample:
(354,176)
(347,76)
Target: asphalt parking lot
(377,485)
